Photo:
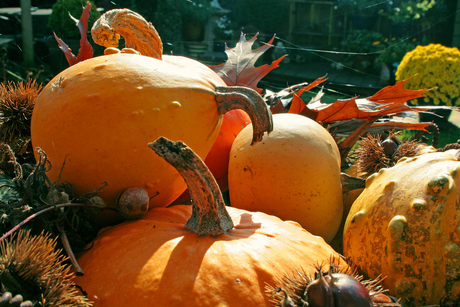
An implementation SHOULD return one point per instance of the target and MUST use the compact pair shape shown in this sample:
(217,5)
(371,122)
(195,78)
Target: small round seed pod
(133,203)
(96,201)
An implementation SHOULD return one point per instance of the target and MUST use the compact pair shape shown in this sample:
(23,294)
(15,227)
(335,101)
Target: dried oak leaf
(239,69)
(85,51)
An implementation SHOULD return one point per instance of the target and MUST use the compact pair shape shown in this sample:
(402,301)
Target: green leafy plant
(168,22)
(363,46)
(363,41)
(224,28)
(64,25)
(360,7)
(407,10)
(393,50)
(433,66)
(195,11)
(263,16)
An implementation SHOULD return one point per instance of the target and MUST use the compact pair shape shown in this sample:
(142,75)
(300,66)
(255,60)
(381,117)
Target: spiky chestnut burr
(330,286)
(32,267)
(17,100)
(375,154)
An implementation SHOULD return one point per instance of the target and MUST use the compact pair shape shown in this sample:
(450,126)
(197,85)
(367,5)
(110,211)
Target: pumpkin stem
(209,216)
(139,34)
(239,97)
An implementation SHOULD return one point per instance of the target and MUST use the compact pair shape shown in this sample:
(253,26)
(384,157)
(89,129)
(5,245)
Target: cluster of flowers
(407,10)
(431,66)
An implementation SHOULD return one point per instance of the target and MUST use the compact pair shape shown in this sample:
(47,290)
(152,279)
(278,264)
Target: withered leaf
(239,69)
(86,50)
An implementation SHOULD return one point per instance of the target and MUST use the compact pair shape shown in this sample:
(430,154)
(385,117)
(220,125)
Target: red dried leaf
(389,101)
(278,108)
(239,69)
(343,110)
(396,94)
(86,50)
(402,125)
(298,105)
(71,58)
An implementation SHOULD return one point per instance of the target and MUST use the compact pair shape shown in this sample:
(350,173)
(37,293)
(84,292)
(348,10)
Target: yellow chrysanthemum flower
(433,66)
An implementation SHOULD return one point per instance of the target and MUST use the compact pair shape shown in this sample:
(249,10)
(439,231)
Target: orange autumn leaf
(389,101)
(397,94)
(297,104)
(402,125)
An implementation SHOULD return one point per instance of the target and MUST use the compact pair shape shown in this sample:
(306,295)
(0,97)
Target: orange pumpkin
(97,116)
(220,256)
(218,157)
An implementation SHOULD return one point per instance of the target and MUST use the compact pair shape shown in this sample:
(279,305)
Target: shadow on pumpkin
(216,259)
(170,260)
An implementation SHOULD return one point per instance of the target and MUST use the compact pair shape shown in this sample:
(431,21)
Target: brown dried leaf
(239,69)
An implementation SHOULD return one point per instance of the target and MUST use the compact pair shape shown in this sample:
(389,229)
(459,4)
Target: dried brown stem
(139,34)
(209,216)
(49,208)
(350,183)
(239,97)
(70,254)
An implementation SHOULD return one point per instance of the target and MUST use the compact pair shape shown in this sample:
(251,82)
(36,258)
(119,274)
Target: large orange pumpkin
(294,173)
(97,117)
(205,255)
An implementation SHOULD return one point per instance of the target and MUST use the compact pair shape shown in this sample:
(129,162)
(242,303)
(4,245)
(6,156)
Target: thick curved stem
(209,216)
(139,34)
(239,97)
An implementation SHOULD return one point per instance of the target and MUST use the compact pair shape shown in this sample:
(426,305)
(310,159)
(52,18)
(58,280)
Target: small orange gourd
(218,157)
(294,173)
(97,116)
(405,226)
(201,255)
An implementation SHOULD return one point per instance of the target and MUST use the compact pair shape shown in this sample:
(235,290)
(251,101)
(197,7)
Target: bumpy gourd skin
(405,226)
(294,173)
(99,115)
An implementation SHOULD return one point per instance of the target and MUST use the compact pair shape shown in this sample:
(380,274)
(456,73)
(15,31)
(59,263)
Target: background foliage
(62,24)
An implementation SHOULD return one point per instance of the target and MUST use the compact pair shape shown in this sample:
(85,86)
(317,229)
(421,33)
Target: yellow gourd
(405,226)
(294,173)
